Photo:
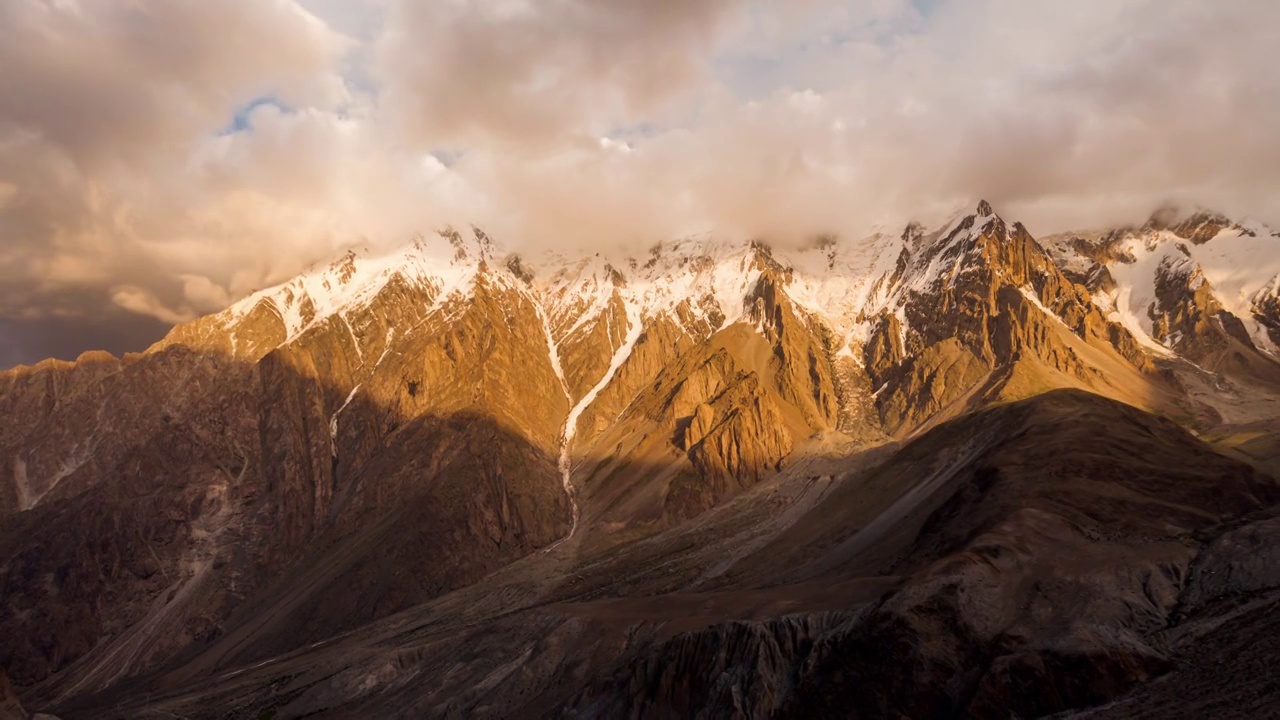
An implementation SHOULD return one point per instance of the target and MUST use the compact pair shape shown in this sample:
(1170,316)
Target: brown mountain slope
(1025,559)
(1041,547)
(223,503)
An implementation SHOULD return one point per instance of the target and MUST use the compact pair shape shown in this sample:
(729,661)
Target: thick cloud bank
(160,158)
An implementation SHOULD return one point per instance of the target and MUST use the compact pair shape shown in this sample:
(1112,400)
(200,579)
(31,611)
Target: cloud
(106,111)
(129,84)
(138,300)
(516,71)
(162,158)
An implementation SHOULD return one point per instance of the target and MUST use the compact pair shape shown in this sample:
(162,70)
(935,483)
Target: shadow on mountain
(1042,548)
(280,545)
(261,511)
(368,513)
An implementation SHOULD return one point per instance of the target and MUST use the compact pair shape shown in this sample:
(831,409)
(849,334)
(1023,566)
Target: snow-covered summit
(1239,259)
(705,280)
(441,263)
(708,281)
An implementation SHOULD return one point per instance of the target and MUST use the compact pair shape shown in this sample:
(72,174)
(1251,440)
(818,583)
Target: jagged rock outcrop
(744,439)
(1186,314)
(714,422)
(1198,227)
(1242,562)
(1265,308)
(1194,282)
(801,355)
(734,670)
(662,340)
(985,295)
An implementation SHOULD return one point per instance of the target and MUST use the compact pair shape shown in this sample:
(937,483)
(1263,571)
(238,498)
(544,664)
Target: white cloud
(477,71)
(581,122)
(138,300)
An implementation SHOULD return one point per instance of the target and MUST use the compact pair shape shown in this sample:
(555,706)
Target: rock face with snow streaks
(1191,283)
(392,430)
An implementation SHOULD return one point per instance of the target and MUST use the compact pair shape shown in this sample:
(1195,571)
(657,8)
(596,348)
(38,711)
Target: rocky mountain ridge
(386,431)
(1168,278)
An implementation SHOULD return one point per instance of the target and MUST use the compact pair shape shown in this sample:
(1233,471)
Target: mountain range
(948,471)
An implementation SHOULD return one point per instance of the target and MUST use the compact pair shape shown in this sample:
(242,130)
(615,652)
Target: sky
(160,159)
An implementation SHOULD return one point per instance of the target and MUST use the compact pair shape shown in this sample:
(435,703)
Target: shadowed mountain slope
(1001,563)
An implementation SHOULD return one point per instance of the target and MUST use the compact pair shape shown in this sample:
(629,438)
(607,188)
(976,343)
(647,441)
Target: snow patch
(634,328)
(354,280)
(333,421)
(1238,263)
(565,463)
(1034,299)
(386,346)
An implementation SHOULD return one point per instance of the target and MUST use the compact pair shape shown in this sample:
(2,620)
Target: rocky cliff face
(190,485)
(1188,318)
(389,430)
(973,299)
(1191,284)
(1265,308)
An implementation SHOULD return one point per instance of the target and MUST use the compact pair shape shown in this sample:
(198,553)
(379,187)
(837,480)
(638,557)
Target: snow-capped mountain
(291,455)
(1164,281)
(903,328)
(849,284)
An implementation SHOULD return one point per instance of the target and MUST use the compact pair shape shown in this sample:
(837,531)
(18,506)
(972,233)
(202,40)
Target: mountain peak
(1194,223)
(1170,215)
(478,247)
(984,208)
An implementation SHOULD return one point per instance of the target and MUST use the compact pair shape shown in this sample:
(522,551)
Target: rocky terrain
(952,471)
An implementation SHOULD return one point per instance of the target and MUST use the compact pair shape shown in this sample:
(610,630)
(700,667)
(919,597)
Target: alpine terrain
(945,470)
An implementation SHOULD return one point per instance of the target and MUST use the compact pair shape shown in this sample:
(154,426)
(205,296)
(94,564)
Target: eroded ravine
(565,464)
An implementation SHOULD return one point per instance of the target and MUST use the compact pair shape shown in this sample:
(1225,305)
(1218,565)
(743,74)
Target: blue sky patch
(240,120)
